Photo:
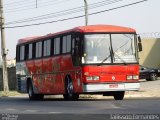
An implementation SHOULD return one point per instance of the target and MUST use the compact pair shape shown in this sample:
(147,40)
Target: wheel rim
(70,88)
(153,76)
(30,90)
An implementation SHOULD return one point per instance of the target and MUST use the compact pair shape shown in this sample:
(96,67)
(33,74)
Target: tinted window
(56,46)
(68,43)
(47,48)
(38,49)
(66,47)
(30,51)
(73,45)
(22,50)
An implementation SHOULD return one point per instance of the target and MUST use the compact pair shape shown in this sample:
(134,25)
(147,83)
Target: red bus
(95,59)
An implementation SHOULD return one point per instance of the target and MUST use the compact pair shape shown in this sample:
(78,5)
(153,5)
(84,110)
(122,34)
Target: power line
(32,5)
(65,12)
(27,25)
(12,3)
(24,2)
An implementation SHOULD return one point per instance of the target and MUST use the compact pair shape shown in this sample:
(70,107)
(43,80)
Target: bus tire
(32,95)
(119,95)
(69,90)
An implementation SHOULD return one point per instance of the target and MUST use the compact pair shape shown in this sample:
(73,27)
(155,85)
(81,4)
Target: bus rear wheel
(119,95)
(69,90)
(32,95)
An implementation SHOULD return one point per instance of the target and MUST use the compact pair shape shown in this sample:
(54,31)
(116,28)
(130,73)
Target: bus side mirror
(139,39)
(140,47)
(139,44)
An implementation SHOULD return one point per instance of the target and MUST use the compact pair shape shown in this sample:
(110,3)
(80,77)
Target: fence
(150,35)
(150,56)
(11,78)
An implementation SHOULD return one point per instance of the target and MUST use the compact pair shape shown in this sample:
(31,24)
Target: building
(10,63)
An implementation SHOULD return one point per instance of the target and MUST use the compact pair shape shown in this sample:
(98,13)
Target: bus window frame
(77,61)
(52,38)
(17,53)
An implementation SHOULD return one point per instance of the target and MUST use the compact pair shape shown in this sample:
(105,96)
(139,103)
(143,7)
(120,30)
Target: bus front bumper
(104,87)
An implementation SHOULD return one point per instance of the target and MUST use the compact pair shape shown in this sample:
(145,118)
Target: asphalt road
(87,108)
(83,106)
(146,101)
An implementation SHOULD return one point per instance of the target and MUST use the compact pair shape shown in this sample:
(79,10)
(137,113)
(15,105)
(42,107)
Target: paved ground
(21,108)
(101,108)
(22,105)
(147,89)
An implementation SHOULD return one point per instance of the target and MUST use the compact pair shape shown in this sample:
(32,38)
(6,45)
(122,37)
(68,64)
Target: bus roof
(83,29)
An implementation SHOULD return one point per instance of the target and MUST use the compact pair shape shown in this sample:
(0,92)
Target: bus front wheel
(119,95)
(69,90)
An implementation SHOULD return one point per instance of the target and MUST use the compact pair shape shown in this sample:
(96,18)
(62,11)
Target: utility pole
(36,4)
(3,50)
(86,12)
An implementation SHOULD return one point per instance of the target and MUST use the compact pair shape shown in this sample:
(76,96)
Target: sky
(143,17)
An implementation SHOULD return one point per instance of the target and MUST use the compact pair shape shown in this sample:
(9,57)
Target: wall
(11,78)
(150,56)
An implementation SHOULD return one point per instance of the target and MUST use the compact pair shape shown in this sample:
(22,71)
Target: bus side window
(47,48)
(77,46)
(30,51)
(68,43)
(39,49)
(64,44)
(76,51)
(57,46)
(73,46)
(22,51)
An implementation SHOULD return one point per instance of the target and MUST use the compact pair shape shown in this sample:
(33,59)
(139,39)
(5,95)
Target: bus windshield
(109,48)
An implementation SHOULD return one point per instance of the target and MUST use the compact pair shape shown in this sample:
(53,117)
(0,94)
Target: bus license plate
(113,85)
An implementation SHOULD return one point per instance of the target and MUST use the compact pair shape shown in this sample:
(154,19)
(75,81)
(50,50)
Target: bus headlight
(95,77)
(89,78)
(129,77)
(135,77)
(92,77)
(132,77)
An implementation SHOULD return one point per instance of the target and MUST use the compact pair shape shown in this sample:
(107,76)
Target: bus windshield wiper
(111,54)
(121,59)
(113,58)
